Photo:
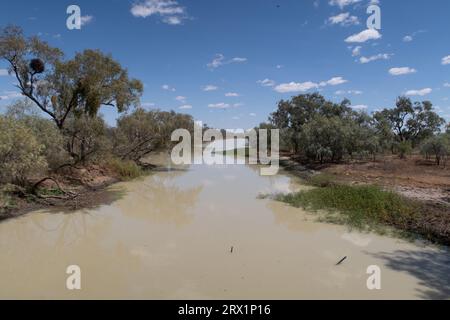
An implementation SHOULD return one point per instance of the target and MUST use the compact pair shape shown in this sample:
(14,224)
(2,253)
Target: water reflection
(158,199)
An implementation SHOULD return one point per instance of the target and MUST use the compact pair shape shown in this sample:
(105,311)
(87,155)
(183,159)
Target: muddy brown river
(169,236)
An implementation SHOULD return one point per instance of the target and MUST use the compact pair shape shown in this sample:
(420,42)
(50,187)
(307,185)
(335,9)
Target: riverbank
(70,188)
(409,195)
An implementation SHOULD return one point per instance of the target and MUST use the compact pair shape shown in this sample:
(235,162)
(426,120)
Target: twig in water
(342,260)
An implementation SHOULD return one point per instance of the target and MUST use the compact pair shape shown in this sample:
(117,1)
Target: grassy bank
(368,207)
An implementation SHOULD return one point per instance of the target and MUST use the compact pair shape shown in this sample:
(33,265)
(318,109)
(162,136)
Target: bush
(125,169)
(21,155)
(44,130)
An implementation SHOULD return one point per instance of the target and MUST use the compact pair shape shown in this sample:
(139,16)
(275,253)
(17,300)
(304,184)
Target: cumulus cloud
(185,107)
(446,60)
(266,83)
(447,85)
(333,82)
(381,56)
(169,11)
(308,85)
(421,92)
(363,36)
(343,19)
(231,94)
(401,71)
(296,87)
(181,99)
(210,87)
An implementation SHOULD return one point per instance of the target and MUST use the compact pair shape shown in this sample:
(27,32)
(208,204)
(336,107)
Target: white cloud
(308,85)
(381,56)
(446,60)
(421,92)
(447,85)
(333,82)
(220,105)
(344,19)
(210,87)
(169,11)
(238,60)
(86,20)
(296,87)
(231,94)
(352,92)
(185,107)
(408,38)
(363,36)
(181,99)
(7,95)
(401,71)
(356,51)
(219,60)
(342,3)
(266,83)
(359,107)
(168,88)
(3,72)
(252,114)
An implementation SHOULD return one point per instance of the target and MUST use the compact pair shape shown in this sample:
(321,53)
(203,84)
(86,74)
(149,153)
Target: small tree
(139,134)
(439,146)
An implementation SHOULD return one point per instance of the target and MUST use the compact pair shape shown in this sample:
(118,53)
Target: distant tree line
(316,129)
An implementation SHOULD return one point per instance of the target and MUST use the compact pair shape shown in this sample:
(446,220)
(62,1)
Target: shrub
(21,155)
(125,169)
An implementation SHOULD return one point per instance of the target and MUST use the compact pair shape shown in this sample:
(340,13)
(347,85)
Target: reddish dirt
(413,177)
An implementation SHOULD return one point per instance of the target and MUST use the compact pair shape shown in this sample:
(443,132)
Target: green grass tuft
(360,206)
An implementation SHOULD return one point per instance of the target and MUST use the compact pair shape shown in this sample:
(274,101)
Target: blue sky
(228,62)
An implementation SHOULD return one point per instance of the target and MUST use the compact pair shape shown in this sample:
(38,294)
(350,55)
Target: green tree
(21,155)
(409,122)
(143,132)
(61,87)
(44,130)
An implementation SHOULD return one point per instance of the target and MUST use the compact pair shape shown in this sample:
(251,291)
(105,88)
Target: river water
(170,236)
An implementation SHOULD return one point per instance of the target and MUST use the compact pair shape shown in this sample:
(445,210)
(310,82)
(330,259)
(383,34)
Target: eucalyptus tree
(61,87)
